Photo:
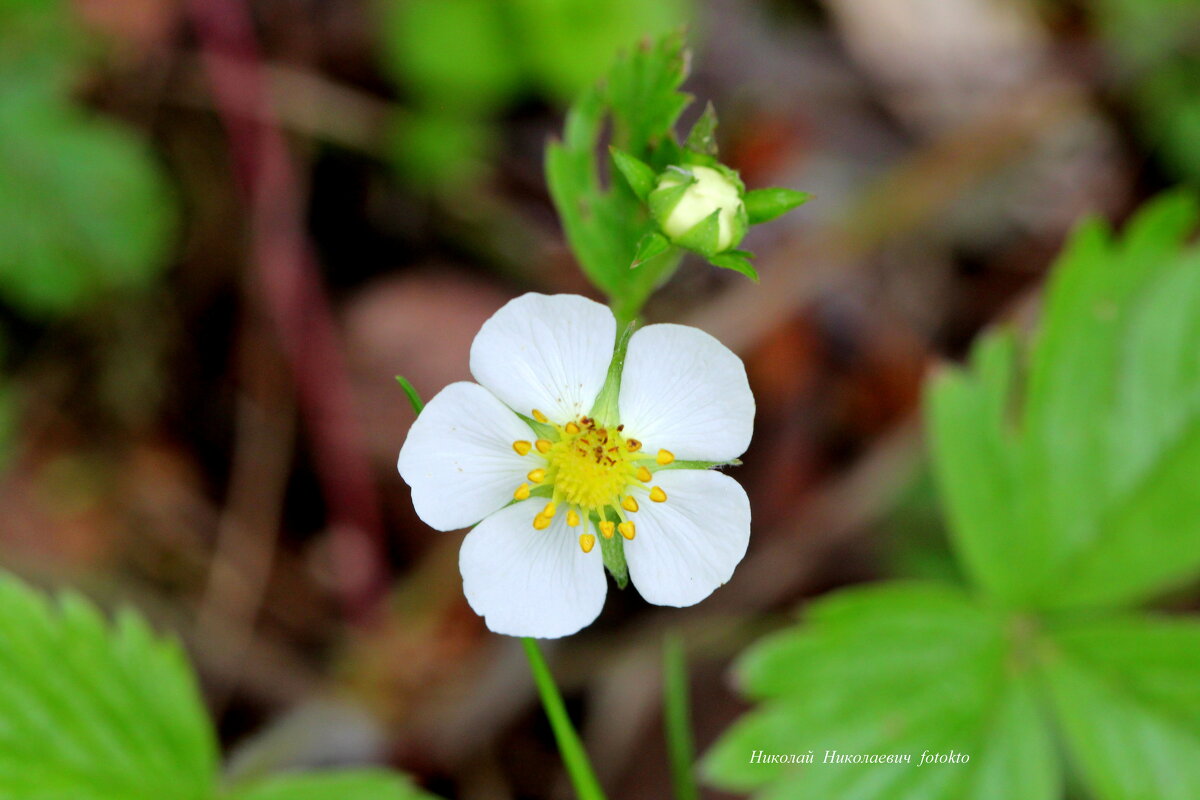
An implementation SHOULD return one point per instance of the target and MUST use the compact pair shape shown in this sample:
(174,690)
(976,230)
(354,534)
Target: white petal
(526,582)
(458,457)
(684,391)
(549,352)
(689,545)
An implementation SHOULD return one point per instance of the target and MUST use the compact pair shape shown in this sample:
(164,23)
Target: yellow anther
(587,542)
(540,523)
(629,504)
(537,476)
(628,530)
(522,492)
(522,447)
(539,416)
(633,445)
(549,510)
(573,518)
(607,528)
(665,457)
(643,475)
(658,495)
(543,446)
(571,428)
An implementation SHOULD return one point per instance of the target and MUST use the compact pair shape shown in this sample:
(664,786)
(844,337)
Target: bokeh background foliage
(199,416)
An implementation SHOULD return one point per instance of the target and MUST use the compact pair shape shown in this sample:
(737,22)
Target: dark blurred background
(328,193)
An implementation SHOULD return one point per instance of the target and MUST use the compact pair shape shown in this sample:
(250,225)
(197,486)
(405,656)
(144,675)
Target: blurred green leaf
(1158,58)
(39,42)
(1067,485)
(1127,693)
(451,54)
(891,669)
(93,711)
(334,785)
(83,207)
(568,44)
(435,149)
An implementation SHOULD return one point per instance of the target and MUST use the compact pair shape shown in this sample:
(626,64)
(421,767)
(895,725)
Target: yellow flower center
(590,469)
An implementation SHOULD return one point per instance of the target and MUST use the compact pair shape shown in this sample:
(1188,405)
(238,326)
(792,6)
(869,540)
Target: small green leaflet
(604,226)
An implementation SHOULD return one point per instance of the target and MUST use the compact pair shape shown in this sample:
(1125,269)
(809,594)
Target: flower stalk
(570,747)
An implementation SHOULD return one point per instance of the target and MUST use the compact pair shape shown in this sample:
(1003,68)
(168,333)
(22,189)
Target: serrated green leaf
(764,205)
(1125,693)
(93,711)
(638,173)
(361,784)
(83,208)
(702,138)
(893,669)
(1067,486)
(604,226)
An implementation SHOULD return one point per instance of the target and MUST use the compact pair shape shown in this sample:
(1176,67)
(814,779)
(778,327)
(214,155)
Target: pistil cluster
(590,470)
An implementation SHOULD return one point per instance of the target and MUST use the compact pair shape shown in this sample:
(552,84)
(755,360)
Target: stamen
(543,446)
(540,523)
(587,542)
(665,457)
(549,510)
(643,474)
(537,475)
(522,447)
(658,495)
(628,530)
(539,416)
(522,492)
(571,428)
(573,518)
(607,527)
(633,445)
(629,504)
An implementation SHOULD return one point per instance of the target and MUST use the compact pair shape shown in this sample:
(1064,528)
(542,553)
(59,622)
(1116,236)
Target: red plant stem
(287,274)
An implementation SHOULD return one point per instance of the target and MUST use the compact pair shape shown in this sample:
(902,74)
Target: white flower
(531,566)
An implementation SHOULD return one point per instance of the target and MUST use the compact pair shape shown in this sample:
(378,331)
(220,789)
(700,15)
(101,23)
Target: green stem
(677,718)
(569,746)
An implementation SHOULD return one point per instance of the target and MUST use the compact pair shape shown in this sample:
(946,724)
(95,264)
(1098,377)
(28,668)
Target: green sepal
(662,201)
(736,260)
(764,205)
(604,410)
(613,552)
(638,174)
(418,405)
(543,430)
(704,235)
(702,137)
(652,244)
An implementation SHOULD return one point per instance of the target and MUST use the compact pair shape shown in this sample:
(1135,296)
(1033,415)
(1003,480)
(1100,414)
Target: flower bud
(700,208)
